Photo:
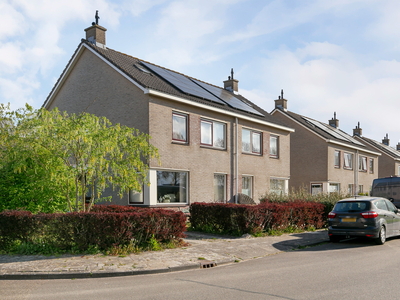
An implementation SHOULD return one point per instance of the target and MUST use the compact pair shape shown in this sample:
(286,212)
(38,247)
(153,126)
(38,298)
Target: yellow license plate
(349,220)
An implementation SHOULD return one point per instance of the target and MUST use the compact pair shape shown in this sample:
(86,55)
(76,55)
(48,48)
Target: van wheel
(382,236)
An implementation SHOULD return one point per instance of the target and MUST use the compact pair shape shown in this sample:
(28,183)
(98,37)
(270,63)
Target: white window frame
(251,184)
(211,122)
(161,201)
(349,164)
(224,180)
(252,134)
(337,158)
(274,137)
(362,163)
(134,193)
(334,184)
(285,180)
(186,118)
(314,185)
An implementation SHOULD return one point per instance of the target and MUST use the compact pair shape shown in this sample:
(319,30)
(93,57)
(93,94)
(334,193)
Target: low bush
(104,228)
(255,219)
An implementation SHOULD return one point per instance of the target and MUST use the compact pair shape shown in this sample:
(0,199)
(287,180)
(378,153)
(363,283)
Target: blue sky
(327,56)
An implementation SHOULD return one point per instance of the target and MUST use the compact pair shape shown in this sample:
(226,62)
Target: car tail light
(369,215)
(331,215)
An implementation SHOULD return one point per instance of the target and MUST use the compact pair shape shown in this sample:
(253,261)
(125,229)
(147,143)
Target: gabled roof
(135,70)
(385,149)
(325,131)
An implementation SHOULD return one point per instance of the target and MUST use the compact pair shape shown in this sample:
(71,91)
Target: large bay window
(362,163)
(219,187)
(172,187)
(247,185)
(251,141)
(179,127)
(348,161)
(213,134)
(274,146)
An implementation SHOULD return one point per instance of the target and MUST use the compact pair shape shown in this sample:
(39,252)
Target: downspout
(236,160)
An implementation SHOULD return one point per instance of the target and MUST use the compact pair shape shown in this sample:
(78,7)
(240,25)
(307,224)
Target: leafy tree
(80,153)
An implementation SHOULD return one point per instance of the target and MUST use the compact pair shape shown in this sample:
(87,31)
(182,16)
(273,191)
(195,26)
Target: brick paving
(202,248)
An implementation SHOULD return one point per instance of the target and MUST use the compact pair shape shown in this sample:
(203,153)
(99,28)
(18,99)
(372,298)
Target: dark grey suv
(371,217)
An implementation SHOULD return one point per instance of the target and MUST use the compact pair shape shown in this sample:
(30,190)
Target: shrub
(108,227)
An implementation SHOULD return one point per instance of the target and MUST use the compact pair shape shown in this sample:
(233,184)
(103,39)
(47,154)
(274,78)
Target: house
(389,160)
(323,158)
(214,144)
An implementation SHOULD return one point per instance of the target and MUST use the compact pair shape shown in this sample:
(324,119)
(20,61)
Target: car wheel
(335,238)
(382,236)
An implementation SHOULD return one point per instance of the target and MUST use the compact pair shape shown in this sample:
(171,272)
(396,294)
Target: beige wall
(203,162)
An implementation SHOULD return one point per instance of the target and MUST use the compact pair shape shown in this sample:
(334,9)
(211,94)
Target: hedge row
(241,219)
(105,228)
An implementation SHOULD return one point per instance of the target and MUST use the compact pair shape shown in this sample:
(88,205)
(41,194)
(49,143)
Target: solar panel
(182,83)
(227,97)
(333,131)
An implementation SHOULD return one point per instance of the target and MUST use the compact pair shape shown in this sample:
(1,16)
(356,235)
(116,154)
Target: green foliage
(50,161)
(154,244)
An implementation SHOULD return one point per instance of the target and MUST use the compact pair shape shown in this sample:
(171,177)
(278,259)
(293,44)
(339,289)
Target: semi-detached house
(324,158)
(213,143)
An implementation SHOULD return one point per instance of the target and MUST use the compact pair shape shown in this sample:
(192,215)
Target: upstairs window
(274,146)
(371,165)
(337,159)
(213,134)
(348,161)
(251,141)
(179,127)
(362,163)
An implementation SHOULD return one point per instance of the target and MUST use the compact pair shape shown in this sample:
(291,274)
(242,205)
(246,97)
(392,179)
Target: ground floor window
(277,186)
(334,188)
(172,187)
(360,189)
(350,191)
(247,186)
(219,187)
(135,197)
(316,188)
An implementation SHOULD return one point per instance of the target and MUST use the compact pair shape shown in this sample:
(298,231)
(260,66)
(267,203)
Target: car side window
(380,204)
(391,206)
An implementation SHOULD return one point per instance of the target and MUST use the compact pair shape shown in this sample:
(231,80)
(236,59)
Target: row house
(324,158)
(214,144)
(389,160)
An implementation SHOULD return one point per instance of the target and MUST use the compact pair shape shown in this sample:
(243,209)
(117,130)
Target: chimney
(231,84)
(357,131)
(386,140)
(334,122)
(96,34)
(398,146)
(281,103)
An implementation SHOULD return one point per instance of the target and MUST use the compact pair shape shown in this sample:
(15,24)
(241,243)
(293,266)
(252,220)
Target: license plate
(349,220)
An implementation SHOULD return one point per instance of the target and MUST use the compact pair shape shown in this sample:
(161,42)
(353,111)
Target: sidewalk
(205,250)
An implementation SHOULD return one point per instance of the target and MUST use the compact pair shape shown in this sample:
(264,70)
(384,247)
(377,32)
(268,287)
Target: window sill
(180,143)
(347,169)
(250,153)
(212,148)
(363,171)
(274,157)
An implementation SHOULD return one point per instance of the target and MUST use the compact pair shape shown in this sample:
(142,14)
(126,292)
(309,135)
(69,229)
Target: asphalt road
(352,269)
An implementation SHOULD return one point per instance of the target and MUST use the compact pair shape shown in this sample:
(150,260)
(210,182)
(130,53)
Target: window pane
(350,189)
(219,135)
(316,189)
(334,188)
(256,142)
(206,133)
(348,160)
(247,185)
(246,147)
(273,146)
(219,187)
(171,187)
(179,127)
(371,165)
(337,158)
(135,197)
(277,186)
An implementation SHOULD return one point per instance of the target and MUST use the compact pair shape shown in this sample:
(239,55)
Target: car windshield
(352,206)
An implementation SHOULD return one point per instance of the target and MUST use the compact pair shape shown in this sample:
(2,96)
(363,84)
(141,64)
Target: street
(353,269)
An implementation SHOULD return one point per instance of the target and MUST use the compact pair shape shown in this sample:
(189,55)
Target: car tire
(335,238)
(382,236)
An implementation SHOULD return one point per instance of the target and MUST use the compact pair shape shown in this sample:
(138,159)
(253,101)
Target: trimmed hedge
(108,227)
(253,219)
